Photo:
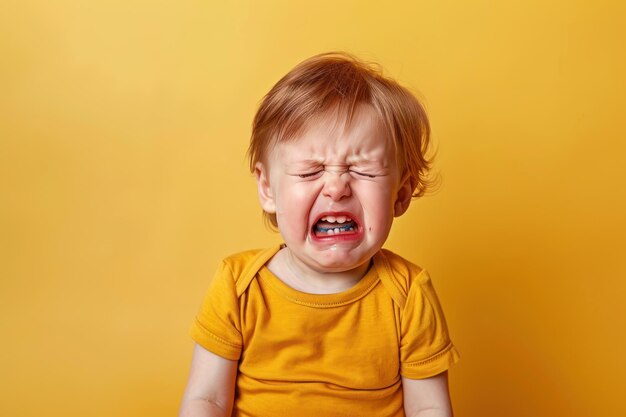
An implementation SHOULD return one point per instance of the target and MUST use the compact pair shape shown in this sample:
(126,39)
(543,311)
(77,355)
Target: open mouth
(335,226)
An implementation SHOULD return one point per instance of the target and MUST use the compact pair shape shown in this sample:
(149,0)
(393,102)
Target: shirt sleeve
(425,346)
(217,326)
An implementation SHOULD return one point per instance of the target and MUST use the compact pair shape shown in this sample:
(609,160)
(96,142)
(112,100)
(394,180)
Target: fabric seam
(216,337)
(431,359)
(320,305)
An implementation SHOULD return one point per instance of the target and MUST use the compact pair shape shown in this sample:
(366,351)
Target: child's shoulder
(400,267)
(242,266)
(249,255)
(401,273)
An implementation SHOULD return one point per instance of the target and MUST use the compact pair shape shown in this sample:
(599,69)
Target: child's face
(335,192)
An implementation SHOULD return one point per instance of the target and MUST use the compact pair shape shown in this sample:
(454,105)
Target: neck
(301,277)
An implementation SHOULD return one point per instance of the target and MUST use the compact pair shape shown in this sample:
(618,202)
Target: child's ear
(403,197)
(266,196)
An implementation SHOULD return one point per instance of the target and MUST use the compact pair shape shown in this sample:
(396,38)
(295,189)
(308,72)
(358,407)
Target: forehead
(330,135)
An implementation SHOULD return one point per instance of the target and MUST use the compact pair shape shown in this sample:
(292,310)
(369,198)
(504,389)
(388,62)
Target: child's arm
(211,387)
(427,397)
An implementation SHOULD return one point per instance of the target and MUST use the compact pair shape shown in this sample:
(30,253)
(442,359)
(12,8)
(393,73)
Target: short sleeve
(425,346)
(217,326)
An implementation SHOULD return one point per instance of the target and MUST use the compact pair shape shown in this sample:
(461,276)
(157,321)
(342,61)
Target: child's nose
(337,185)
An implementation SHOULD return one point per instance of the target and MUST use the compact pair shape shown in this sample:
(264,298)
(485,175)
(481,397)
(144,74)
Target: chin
(337,259)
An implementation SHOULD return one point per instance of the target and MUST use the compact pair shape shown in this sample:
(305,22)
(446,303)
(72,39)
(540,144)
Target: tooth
(341,219)
(330,219)
(348,219)
(336,229)
(323,219)
(330,232)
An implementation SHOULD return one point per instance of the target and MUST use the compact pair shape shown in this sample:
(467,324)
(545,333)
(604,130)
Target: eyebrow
(362,160)
(350,161)
(306,162)
(311,161)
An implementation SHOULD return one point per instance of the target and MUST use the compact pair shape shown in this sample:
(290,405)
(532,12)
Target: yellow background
(123,129)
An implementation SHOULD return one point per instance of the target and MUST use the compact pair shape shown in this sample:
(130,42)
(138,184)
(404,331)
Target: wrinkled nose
(337,185)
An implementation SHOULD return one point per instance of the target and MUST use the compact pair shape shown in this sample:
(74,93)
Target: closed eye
(362,174)
(310,174)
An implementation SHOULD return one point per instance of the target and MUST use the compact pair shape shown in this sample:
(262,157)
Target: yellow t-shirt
(324,355)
